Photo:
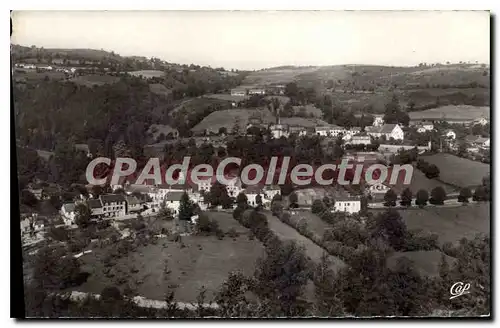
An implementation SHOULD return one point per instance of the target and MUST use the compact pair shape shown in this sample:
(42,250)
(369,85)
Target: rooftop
(174,195)
(112,198)
(94,203)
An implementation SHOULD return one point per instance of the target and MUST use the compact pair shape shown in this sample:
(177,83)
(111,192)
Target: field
(226,222)
(420,181)
(159,89)
(313,251)
(277,75)
(426,262)
(450,223)
(300,121)
(452,112)
(227,97)
(458,171)
(204,261)
(147,73)
(32,75)
(227,119)
(314,223)
(91,80)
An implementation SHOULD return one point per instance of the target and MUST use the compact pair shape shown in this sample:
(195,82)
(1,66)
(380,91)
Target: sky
(262,39)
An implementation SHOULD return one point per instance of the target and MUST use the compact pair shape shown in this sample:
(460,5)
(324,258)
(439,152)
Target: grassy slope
(458,171)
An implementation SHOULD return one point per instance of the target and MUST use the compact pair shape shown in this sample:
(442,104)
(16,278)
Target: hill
(228,118)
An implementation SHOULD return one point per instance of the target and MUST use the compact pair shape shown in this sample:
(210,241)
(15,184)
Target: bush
(232,233)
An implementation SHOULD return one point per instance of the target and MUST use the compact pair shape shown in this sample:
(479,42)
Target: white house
(133,204)
(113,205)
(360,140)
(388,130)
(271,191)
(257,91)
(450,134)
(238,92)
(173,200)
(420,129)
(68,213)
(348,205)
(252,192)
(322,130)
(378,120)
(378,188)
(39,225)
(234,187)
(279,130)
(481,121)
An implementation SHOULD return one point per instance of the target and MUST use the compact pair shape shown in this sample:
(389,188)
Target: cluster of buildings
(243,91)
(153,196)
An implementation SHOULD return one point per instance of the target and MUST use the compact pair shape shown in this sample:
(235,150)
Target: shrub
(232,233)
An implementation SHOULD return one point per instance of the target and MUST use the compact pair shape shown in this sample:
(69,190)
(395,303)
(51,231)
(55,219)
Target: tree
(480,194)
(82,215)
(422,198)
(280,278)
(218,196)
(222,130)
(391,227)
(406,197)
(432,171)
(293,199)
(317,206)
(242,200)
(390,198)
(96,191)
(28,199)
(438,195)
(258,201)
(464,195)
(165,213)
(486,182)
(186,208)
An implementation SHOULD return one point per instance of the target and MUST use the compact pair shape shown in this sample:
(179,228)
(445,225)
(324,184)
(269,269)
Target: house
(481,121)
(39,225)
(257,91)
(420,129)
(234,187)
(482,142)
(389,131)
(279,130)
(300,130)
(133,204)
(25,226)
(68,213)
(95,207)
(83,148)
(58,61)
(378,120)
(378,188)
(173,201)
(37,192)
(360,140)
(348,205)
(252,192)
(271,191)
(427,125)
(113,205)
(450,134)
(322,130)
(238,92)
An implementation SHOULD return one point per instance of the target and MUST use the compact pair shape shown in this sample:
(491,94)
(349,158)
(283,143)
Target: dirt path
(285,232)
